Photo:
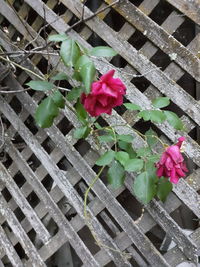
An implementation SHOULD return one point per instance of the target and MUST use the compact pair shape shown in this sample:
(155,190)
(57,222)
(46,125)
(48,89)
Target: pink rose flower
(105,94)
(171,163)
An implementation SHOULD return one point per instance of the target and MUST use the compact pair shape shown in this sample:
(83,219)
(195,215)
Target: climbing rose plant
(153,171)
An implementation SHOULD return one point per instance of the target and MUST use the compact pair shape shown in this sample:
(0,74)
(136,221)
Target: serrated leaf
(102,51)
(128,148)
(74,94)
(116,175)
(174,120)
(81,112)
(144,188)
(46,112)
(58,99)
(163,189)
(87,74)
(151,139)
(125,137)
(145,114)
(157,116)
(40,85)
(106,138)
(143,151)
(60,77)
(134,165)
(106,158)
(122,157)
(57,37)
(132,106)
(69,52)
(81,132)
(161,102)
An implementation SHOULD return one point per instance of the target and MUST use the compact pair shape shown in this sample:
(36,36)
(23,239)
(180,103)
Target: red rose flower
(171,163)
(105,94)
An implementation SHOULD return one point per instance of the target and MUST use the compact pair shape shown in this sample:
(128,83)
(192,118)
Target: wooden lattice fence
(44,173)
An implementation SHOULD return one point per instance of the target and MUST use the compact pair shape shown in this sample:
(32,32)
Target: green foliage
(132,106)
(164,188)
(161,102)
(69,52)
(151,139)
(122,157)
(58,37)
(174,120)
(58,99)
(102,51)
(87,74)
(125,137)
(134,165)
(128,148)
(144,187)
(46,112)
(143,152)
(157,116)
(74,94)
(81,112)
(116,175)
(106,138)
(40,85)
(82,132)
(60,77)
(106,158)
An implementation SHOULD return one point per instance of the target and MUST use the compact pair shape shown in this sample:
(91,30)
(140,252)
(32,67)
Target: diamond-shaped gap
(59,9)
(5,159)
(43,65)
(19,214)
(120,109)
(66,208)
(160,13)
(136,2)
(17,37)
(109,223)
(18,142)
(16,105)
(31,16)
(6,194)
(81,188)
(96,40)
(156,236)
(48,182)
(64,256)
(160,59)
(31,125)
(64,164)
(188,83)
(33,199)
(33,162)
(5,260)
(114,20)
(32,236)
(82,146)
(20,251)
(74,19)
(93,5)
(65,126)
(111,264)
(140,82)
(130,204)
(86,236)
(19,179)
(118,61)
(137,259)
(185,32)
(137,40)
(17,4)
(48,145)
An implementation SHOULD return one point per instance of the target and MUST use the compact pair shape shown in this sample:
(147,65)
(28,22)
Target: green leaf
(116,175)
(145,114)
(128,148)
(134,165)
(46,112)
(106,138)
(122,157)
(157,116)
(154,158)
(81,112)
(163,189)
(151,139)
(69,52)
(60,77)
(132,106)
(82,61)
(81,132)
(74,93)
(125,137)
(57,37)
(143,151)
(40,85)
(161,102)
(144,188)
(151,170)
(106,158)
(87,73)
(174,120)
(102,51)
(97,125)
(58,99)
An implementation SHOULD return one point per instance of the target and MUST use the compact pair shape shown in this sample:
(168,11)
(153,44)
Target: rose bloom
(105,94)
(171,163)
